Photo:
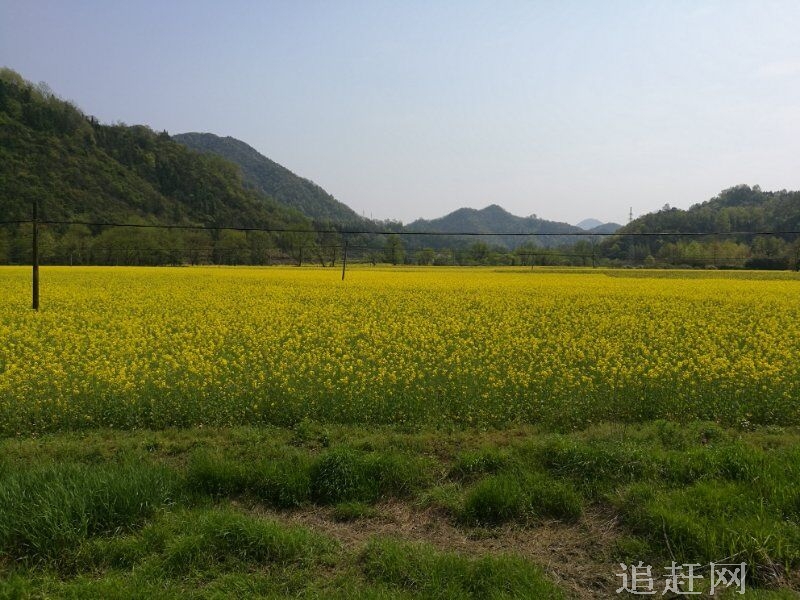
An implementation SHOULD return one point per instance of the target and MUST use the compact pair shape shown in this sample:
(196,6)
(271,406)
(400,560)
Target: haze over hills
(273,179)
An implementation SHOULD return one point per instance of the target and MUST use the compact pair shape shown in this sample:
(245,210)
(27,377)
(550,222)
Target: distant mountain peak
(588,224)
(495,219)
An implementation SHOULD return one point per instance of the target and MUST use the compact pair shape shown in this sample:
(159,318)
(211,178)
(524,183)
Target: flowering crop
(140,347)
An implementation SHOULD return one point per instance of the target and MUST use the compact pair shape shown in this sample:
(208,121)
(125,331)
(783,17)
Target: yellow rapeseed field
(142,347)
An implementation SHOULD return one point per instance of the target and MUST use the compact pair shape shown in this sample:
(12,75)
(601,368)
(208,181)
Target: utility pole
(35,255)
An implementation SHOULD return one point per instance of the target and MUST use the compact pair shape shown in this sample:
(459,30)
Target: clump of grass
(203,540)
(597,466)
(346,475)
(502,498)
(494,501)
(472,463)
(631,549)
(115,552)
(282,483)
(448,498)
(336,476)
(310,434)
(45,513)
(215,475)
(734,462)
(222,537)
(424,572)
(680,436)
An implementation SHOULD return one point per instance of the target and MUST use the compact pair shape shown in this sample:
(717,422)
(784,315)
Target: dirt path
(575,556)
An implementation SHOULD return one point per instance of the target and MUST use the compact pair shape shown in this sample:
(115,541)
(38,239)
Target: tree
(479,252)
(393,252)
(74,245)
(4,246)
(260,247)
(231,248)
(198,247)
(426,256)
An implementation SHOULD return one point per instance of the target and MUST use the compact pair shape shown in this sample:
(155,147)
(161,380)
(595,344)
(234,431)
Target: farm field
(134,347)
(433,432)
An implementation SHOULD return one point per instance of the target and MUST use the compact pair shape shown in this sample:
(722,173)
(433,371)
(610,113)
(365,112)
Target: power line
(407,233)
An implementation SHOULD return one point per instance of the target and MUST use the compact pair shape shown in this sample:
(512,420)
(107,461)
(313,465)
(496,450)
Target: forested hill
(273,179)
(744,209)
(79,169)
(740,208)
(494,219)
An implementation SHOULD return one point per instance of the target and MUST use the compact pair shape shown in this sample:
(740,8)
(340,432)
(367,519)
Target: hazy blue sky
(413,109)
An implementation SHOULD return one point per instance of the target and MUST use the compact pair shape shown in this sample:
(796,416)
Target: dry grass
(576,556)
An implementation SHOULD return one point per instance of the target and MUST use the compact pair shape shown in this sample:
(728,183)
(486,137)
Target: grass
(181,513)
(425,572)
(340,475)
(520,497)
(46,512)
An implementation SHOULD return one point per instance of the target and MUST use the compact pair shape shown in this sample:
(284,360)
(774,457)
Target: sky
(404,110)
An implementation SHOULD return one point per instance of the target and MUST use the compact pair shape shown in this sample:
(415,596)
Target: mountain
(79,169)
(596,226)
(588,224)
(740,208)
(272,179)
(606,228)
(737,215)
(495,219)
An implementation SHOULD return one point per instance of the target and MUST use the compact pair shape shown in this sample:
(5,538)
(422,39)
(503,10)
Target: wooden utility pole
(35,255)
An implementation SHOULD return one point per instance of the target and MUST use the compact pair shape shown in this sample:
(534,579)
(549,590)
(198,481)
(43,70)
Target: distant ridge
(597,226)
(270,178)
(495,219)
(606,228)
(588,224)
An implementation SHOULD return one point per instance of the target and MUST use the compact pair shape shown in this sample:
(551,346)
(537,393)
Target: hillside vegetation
(80,170)
(272,179)
(741,209)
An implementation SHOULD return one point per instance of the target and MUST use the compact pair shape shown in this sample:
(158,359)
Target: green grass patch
(426,572)
(46,512)
(282,482)
(344,475)
(502,498)
(473,463)
(714,521)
